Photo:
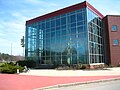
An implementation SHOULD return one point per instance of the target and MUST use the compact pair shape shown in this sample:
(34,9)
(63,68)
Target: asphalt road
(111,85)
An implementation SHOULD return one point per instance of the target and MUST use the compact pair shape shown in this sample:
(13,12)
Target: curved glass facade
(70,38)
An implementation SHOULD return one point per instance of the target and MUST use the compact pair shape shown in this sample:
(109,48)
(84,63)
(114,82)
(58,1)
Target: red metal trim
(65,10)
(94,10)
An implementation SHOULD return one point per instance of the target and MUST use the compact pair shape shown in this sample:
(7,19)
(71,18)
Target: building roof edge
(65,10)
(113,15)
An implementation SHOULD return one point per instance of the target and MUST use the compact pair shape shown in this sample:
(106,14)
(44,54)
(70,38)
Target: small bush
(28,63)
(10,68)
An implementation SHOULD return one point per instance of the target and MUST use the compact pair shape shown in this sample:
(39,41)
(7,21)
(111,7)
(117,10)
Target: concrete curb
(77,83)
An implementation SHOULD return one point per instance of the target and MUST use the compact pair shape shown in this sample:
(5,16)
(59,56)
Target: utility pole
(11,52)
(11,49)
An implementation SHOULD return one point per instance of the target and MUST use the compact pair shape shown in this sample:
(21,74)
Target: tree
(23,43)
(4,56)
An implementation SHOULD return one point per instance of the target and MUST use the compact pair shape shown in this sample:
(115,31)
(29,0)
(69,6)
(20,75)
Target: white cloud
(11,31)
(12,27)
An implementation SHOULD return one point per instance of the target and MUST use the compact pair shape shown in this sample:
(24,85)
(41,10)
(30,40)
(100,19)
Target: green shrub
(28,63)
(10,68)
(1,63)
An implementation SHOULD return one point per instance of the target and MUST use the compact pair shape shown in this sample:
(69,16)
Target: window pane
(53,23)
(47,24)
(115,42)
(79,17)
(57,22)
(80,29)
(63,21)
(73,18)
(114,27)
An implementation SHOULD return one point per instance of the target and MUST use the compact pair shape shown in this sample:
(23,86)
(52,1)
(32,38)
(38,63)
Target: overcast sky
(14,13)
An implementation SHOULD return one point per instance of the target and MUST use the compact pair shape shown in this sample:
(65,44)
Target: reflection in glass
(64,39)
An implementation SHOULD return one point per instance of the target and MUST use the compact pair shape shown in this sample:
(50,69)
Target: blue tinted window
(115,42)
(52,40)
(57,28)
(79,17)
(43,25)
(44,36)
(47,24)
(63,21)
(73,30)
(81,50)
(47,35)
(73,18)
(63,27)
(80,29)
(57,22)
(52,34)
(73,25)
(63,32)
(53,23)
(73,38)
(63,15)
(114,27)
(52,29)
(58,33)
(47,42)
(84,15)
(79,23)
(47,30)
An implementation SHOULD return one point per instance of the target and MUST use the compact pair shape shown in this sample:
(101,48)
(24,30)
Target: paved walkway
(24,82)
(42,72)
(44,78)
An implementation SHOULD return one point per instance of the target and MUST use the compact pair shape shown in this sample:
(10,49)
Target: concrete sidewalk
(43,72)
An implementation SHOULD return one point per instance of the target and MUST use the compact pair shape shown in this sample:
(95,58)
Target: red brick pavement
(26,82)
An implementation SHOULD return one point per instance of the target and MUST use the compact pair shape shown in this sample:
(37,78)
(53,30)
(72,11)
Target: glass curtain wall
(31,43)
(95,33)
(62,39)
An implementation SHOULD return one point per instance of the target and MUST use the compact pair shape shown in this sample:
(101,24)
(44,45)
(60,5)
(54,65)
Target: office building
(71,35)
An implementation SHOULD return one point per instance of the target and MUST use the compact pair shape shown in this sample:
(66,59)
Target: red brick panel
(114,49)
